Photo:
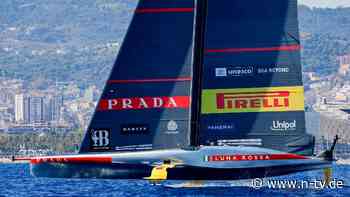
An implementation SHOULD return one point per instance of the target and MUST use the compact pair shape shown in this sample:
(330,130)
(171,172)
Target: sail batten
(179,79)
(162,10)
(294,47)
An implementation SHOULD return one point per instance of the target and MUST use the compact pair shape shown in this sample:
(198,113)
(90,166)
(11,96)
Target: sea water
(15,180)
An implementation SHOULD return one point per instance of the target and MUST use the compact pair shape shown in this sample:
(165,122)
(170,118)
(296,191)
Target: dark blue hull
(204,163)
(105,171)
(139,171)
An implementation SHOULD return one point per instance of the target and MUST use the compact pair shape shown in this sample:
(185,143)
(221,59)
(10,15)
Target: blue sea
(15,180)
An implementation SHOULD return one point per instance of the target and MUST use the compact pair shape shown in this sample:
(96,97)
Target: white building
(19,108)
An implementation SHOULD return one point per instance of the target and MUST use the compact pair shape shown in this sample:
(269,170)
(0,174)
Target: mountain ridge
(77,40)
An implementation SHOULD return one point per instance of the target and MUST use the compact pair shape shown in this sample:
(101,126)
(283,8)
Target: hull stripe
(210,158)
(77,160)
(261,157)
(294,47)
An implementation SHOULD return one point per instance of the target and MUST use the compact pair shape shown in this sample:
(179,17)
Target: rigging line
(294,38)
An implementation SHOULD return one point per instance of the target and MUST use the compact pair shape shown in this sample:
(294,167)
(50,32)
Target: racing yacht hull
(206,163)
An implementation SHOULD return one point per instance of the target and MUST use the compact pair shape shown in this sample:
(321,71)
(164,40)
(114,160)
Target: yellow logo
(269,99)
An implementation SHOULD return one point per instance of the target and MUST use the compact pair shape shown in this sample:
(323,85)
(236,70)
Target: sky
(326,3)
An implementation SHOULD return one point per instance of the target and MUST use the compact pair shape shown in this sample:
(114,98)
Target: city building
(22,108)
(91,94)
(344,64)
(53,106)
(36,109)
(19,108)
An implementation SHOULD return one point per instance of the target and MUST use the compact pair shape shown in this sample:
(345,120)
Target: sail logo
(252,100)
(283,125)
(134,129)
(236,71)
(275,69)
(271,99)
(221,127)
(140,103)
(172,127)
(220,72)
(100,138)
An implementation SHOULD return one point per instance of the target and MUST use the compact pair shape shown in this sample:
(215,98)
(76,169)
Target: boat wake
(207,184)
(343,162)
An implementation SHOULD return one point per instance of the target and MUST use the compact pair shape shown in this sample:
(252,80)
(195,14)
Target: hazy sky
(326,3)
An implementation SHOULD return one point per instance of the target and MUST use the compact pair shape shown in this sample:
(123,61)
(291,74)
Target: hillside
(61,40)
(77,40)
(326,35)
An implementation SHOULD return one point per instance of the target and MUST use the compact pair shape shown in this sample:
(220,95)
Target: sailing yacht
(200,90)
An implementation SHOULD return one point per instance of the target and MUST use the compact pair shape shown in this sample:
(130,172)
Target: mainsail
(252,84)
(145,103)
(233,78)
